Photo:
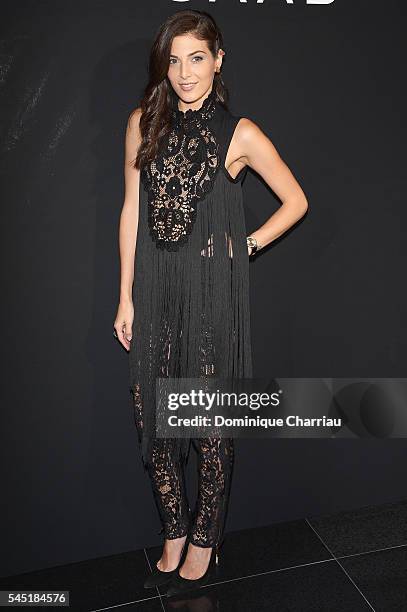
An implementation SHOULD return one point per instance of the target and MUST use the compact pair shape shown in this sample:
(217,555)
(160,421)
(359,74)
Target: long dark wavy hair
(158,96)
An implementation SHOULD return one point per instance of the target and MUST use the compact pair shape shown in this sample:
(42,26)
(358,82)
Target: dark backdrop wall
(325,83)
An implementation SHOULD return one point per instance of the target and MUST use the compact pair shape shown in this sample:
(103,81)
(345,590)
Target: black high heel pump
(180,585)
(158,578)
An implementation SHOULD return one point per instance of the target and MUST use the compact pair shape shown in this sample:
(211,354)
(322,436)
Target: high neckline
(192,116)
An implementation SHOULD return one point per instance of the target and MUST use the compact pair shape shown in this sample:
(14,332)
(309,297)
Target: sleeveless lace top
(182,174)
(191,274)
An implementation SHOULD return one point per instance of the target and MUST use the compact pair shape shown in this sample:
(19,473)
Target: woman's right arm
(128,232)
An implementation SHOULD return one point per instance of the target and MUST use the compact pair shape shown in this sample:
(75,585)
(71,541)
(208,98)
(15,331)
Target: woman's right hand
(124,323)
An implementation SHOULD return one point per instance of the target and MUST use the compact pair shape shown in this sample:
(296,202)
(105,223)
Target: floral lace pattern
(215,465)
(205,524)
(181,175)
(168,484)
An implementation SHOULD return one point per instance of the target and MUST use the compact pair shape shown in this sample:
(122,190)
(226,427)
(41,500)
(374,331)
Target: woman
(184,263)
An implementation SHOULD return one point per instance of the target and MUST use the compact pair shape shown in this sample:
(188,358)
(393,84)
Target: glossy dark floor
(345,562)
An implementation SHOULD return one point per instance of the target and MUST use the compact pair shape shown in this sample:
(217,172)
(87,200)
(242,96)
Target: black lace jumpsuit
(191,306)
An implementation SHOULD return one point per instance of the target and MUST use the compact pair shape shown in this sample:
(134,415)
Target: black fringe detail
(191,306)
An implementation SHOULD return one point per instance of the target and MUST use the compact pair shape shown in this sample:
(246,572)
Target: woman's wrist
(252,245)
(125,297)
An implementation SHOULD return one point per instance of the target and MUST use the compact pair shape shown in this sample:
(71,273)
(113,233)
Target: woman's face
(191,62)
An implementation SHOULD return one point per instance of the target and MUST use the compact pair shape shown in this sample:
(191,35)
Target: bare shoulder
(133,121)
(252,143)
(133,135)
(248,132)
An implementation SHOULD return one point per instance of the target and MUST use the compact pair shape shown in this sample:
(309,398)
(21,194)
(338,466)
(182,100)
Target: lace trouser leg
(168,483)
(215,466)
